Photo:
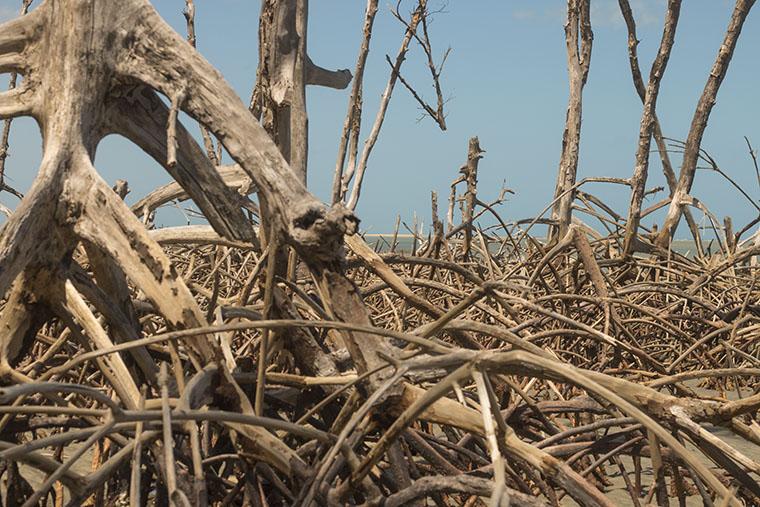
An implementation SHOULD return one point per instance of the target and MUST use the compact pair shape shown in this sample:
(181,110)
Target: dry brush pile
(207,365)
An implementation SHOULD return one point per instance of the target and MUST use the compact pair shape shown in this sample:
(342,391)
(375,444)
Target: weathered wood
(579,39)
(470,173)
(648,119)
(699,120)
(285,69)
(139,115)
(662,148)
(68,86)
(349,140)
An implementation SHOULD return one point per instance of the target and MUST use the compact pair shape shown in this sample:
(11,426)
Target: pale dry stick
(189,14)
(452,202)
(136,468)
(264,343)
(199,479)
(699,433)
(123,382)
(352,123)
(648,119)
(690,375)
(176,496)
(251,280)
(699,121)
(753,156)
(497,459)
(470,172)
(394,240)
(361,167)
(307,381)
(435,73)
(658,471)
(232,175)
(171,129)
(583,247)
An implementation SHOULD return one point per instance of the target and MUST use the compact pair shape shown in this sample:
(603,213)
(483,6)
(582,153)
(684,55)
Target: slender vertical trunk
(349,141)
(699,121)
(662,148)
(579,38)
(284,71)
(639,178)
(470,171)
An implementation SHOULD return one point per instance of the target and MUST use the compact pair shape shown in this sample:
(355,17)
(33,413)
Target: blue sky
(507,83)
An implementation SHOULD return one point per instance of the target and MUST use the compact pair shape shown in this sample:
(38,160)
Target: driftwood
(483,365)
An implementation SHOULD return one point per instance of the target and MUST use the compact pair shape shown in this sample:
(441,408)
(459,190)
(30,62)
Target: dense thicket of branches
(273,357)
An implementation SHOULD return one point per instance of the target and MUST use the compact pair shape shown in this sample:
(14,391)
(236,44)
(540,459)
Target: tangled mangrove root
(524,375)
(275,358)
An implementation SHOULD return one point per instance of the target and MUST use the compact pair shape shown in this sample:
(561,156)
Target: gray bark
(699,121)
(579,38)
(648,119)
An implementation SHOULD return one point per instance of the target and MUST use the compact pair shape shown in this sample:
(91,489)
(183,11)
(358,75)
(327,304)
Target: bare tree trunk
(285,69)
(7,124)
(699,121)
(662,148)
(470,171)
(279,102)
(579,39)
(639,178)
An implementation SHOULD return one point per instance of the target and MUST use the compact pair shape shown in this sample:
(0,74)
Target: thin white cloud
(604,13)
(524,14)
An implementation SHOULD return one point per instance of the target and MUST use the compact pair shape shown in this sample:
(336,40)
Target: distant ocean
(405,242)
